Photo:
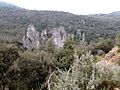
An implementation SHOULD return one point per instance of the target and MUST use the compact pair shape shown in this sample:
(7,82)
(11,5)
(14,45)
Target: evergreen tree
(8,57)
(65,56)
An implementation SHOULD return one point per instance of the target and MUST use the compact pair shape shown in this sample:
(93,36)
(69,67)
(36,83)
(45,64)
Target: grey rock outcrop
(43,36)
(81,35)
(31,39)
(59,36)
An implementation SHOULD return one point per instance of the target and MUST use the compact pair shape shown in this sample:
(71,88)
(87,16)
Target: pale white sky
(72,6)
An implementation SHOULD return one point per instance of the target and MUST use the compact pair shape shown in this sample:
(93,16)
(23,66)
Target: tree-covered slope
(14,22)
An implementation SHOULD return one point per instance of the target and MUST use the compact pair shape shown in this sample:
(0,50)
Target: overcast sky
(73,6)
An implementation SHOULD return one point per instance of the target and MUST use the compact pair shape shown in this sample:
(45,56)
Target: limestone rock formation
(81,35)
(31,39)
(44,36)
(59,36)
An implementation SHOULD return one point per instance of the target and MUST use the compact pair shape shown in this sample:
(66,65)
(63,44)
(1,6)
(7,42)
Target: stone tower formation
(32,39)
(81,35)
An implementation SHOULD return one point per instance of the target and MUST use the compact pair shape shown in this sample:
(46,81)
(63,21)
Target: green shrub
(105,45)
(34,68)
(8,57)
(65,55)
(85,74)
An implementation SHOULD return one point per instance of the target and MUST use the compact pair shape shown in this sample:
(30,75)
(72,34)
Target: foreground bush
(85,75)
(8,57)
(34,68)
(65,55)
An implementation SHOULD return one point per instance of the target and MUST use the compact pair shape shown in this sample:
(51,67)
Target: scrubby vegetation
(73,67)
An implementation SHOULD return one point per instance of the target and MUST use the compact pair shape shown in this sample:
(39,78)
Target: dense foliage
(28,69)
(50,68)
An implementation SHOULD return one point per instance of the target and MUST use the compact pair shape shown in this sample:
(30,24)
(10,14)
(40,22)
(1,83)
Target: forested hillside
(14,22)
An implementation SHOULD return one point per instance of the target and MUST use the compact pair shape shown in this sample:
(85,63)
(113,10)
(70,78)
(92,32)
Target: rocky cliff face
(31,39)
(113,56)
(110,64)
(59,36)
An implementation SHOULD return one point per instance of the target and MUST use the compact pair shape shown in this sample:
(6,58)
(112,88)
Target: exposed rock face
(110,63)
(59,36)
(113,55)
(81,35)
(44,36)
(100,52)
(31,39)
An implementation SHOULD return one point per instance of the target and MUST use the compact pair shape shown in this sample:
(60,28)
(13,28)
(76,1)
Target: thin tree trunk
(3,86)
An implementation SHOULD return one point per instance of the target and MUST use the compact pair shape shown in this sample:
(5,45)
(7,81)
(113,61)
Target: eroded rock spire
(31,39)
